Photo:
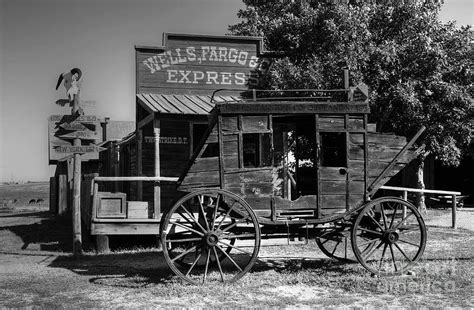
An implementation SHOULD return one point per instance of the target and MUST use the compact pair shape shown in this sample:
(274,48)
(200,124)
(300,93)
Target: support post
(76,202)
(157,188)
(453,206)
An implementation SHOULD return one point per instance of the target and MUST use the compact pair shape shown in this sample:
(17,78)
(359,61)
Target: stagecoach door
(332,166)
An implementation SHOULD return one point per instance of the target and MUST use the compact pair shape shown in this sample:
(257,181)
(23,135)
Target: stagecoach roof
(181,104)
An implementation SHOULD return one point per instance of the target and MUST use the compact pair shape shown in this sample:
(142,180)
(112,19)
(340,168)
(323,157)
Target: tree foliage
(416,67)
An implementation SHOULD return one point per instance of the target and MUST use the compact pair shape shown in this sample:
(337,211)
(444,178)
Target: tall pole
(76,202)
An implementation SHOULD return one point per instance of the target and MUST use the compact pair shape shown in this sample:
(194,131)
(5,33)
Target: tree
(417,68)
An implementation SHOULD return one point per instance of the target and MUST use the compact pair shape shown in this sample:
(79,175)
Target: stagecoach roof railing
(293,94)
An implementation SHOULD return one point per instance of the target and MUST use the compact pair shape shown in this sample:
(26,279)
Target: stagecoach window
(257,150)
(333,149)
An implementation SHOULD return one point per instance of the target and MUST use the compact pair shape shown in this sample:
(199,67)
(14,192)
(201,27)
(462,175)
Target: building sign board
(197,64)
(168,140)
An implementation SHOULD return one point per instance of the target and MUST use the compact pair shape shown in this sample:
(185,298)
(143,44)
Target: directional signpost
(76,127)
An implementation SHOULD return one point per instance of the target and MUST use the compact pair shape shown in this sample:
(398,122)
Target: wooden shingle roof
(182,104)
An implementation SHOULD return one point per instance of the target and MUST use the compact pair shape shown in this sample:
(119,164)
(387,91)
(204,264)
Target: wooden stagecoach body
(268,169)
(337,159)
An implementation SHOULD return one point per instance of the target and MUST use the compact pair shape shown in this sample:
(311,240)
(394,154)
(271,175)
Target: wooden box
(137,209)
(111,205)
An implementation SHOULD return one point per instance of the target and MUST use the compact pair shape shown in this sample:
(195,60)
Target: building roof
(116,130)
(181,104)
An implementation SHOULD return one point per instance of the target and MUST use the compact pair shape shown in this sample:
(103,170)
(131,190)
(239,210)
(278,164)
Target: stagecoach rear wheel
(334,241)
(388,236)
(210,235)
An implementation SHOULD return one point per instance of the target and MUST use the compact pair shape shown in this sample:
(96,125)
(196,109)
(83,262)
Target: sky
(39,39)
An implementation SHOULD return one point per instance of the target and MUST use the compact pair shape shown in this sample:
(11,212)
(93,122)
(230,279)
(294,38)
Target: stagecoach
(305,164)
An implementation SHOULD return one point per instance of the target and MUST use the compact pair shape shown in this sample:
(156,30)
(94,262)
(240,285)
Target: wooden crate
(137,209)
(111,205)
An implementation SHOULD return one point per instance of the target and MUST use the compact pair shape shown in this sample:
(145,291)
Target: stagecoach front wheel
(388,235)
(210,235)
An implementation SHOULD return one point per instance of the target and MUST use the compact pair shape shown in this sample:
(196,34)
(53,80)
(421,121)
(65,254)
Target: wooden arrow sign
(84,135)
(74,126)
(79,149)
(71,118)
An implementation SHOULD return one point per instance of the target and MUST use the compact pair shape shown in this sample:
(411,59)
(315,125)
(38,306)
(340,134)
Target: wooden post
(53,197)
(157,189)
(62,193)
(76,202)
(453,206)
(139,163)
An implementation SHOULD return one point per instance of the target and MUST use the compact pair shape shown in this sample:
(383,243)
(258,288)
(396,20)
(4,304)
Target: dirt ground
(36,269)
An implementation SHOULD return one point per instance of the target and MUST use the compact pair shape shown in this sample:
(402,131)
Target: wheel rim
(388,236)
(334,242)
(210,236)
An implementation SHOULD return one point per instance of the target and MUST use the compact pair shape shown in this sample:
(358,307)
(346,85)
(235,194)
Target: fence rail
(453,195)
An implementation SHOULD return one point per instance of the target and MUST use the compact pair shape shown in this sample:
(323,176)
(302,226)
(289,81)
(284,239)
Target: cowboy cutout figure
(72,83)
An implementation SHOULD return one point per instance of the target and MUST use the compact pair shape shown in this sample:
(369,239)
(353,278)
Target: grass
(294,276)
(442,278)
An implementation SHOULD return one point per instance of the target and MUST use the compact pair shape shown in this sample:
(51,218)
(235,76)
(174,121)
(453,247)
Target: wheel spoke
(184,253)
(201,208)
(214,214)
(192,217)
(218,263)
(394,215)
(368,242)
(376,222)
(208,256)
(371,231)
(185,218)
(230,258)
(401,251)
(403,220)
(393,257)
(226,215)
(372,251)
(406,231)
(188,228)
(335,247)
(194,264)
(383,216)
(183,240)
(233,225)
(234,247)
(410,243)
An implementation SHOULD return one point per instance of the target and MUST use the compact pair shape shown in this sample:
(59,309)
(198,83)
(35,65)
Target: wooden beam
(292,107)
(146,120)
(155,179)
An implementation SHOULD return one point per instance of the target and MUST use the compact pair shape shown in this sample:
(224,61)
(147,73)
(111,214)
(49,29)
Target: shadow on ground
(49,233)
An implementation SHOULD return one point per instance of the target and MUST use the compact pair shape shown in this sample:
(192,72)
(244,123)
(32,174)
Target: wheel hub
(211,239)
(390,236)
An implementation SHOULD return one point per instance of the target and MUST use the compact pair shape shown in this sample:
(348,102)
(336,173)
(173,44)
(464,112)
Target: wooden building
(174,95)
